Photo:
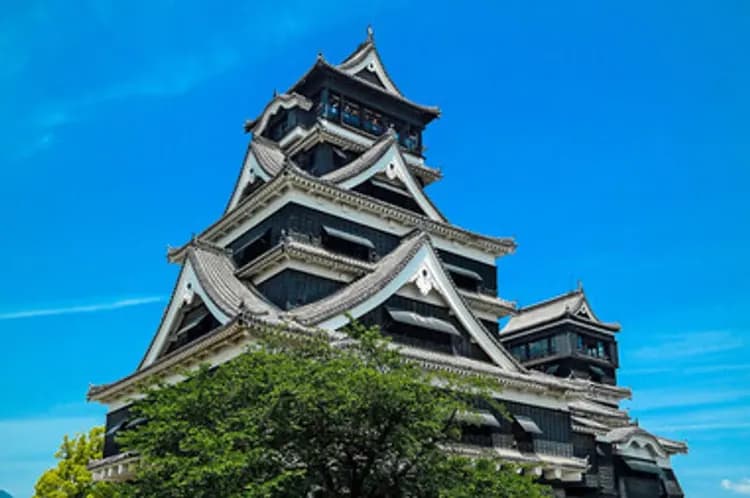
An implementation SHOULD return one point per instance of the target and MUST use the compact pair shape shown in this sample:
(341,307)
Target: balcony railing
(541,446)
(367,122)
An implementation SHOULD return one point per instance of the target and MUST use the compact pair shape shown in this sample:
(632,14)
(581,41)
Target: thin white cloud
(655,399)
(707,419)
(690,345)
(717,426)
(686,369)
(740,487)
(86,308)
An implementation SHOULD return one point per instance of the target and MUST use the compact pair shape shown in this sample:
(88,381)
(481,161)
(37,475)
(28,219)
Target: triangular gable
(187,289)
(393,166)
(282,101)
(572,305)
(635,442)
(209,274)
(366,58)
(584,310)
(262,161)
(422,269)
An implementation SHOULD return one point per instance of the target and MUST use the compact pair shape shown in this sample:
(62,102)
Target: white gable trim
(362,217)
(393,165)
(359,139)
(585,307)
(252,172)
(373,64)
(408,291)
(645,447)
(284,101)
(427,273)
(188,286)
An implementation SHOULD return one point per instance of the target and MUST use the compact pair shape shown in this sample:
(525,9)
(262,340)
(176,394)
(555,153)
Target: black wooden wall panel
(291,288)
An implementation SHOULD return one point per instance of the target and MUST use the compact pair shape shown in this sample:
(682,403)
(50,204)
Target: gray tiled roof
(433,111)
(284,99)
(361,53)
(291,174)
(216,272)
(370,157)
(544,311)
(364,161)
(269,155)
(568,304)
(363,288)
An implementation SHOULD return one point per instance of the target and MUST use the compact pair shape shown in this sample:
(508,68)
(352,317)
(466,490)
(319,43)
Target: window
(465,278)
(341,109)
(527,424)
(347,243)
(591,346)
(520,352)
(423,331)
(351,114)
(252,248)
(410,139)
(541,347)
(373,122)
(332,107)
(537,349)
(426,322)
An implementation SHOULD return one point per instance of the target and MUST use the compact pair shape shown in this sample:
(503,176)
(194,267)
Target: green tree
(306,418)
(70,478)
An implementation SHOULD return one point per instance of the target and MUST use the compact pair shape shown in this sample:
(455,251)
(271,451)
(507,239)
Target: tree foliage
(306,418)
(71,478)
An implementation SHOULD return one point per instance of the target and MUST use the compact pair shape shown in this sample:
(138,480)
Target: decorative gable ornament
(188,294)
(584,311)
(393,172)
(424,280)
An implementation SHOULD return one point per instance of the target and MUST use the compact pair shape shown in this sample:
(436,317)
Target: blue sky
(610,139)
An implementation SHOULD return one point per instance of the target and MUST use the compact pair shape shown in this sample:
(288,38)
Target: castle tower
(563,337)
(329,217)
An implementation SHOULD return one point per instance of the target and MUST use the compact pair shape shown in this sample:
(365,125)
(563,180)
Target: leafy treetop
(71,478)
(310,418)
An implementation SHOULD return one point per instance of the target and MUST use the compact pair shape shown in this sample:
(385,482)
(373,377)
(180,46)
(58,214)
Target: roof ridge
(205,245)
(320,61)
(209,278)
(260,139)
(292,172)
(410,244)
(362,48)
(552,300)
(250,124)
(369,157)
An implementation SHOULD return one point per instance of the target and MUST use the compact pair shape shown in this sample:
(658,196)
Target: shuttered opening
(347,243)
(425,322)
(527,424)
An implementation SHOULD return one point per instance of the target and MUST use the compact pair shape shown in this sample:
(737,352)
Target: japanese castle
(329,217)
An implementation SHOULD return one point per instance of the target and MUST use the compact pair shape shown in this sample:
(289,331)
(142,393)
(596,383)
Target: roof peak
(575,292)
(572,304)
